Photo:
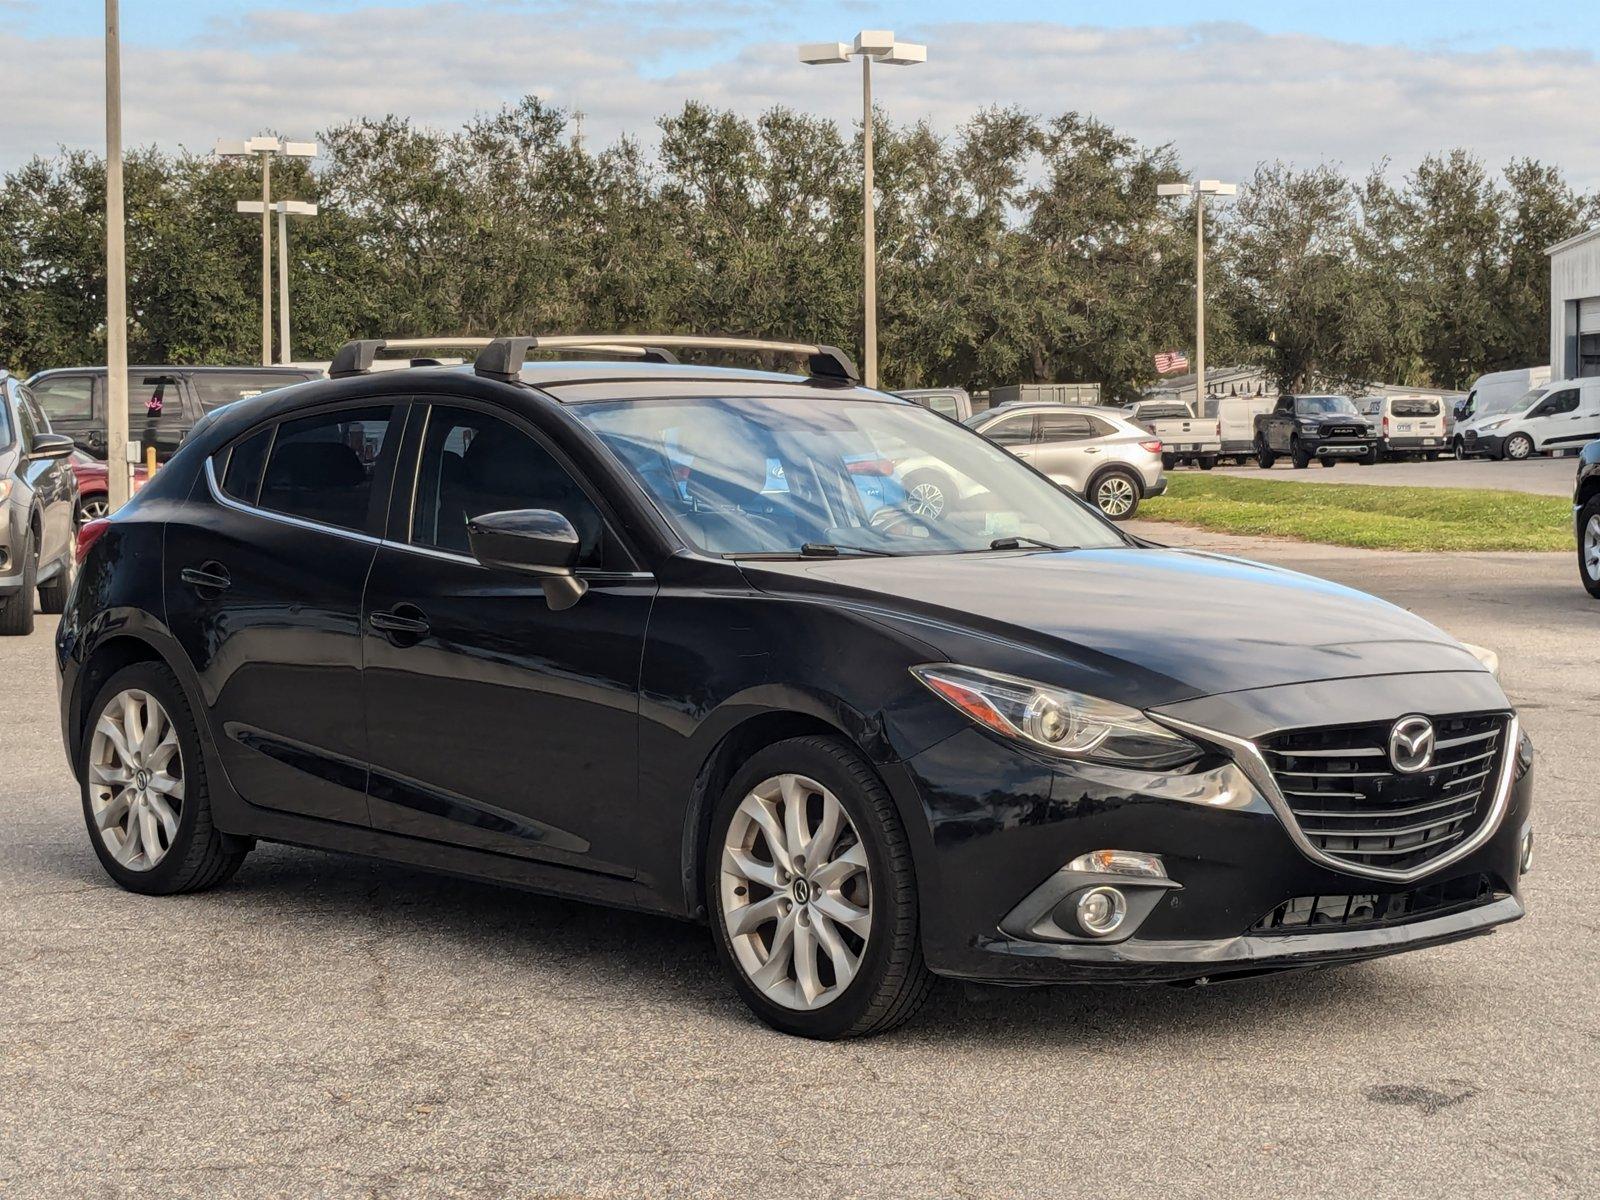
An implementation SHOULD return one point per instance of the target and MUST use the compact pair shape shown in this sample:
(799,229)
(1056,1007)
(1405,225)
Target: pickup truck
(1184,437)
(1325,428)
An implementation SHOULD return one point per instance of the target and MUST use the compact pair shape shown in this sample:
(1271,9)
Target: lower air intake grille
(1354,806)
(1349,912)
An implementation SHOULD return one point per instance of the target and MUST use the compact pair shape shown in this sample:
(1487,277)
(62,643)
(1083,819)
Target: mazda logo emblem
(1411,744)
(802,891)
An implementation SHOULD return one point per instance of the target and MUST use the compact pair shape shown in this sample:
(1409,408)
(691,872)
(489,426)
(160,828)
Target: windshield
(1516,404)
(773,475)
(1324,406)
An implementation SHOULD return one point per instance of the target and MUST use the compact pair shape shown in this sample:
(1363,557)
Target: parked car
(1092,452)
(1236,422)
(1408,426)
(544,624)
(1586,513)
(1184,437)
(952,402)
(38,498)
(1491,395)
(1326,429)
(93,486)
(1558,416)
(163,402)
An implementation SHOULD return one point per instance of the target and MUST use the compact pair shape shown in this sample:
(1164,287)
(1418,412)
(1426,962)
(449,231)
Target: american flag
(1170,361)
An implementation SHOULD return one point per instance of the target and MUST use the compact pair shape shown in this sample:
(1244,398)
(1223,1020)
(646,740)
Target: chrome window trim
(227,501)
(591,573)
(1247,755)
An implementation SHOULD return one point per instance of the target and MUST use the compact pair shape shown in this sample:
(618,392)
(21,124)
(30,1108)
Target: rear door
(1583,423)
(497,722)
(1552,423)
(264,579)
(1063,449)
(1013,431)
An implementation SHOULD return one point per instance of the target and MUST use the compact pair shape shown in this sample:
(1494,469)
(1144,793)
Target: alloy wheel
(136,779)
(1591,547)
(926,500)
(93,508)
(796,892)
(1114,495)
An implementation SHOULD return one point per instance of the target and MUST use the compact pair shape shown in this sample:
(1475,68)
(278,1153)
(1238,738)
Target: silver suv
(1101,456)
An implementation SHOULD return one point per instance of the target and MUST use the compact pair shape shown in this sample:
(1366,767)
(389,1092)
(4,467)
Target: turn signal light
(89,533)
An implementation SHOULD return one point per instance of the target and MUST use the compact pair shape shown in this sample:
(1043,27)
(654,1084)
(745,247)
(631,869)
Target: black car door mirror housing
(51,445)
(539,541)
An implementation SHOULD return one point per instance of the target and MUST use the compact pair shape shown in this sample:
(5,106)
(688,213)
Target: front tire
(1517,447)
(53,595)
(146,802)
(1589,545)
(16,610)
(1298,453)
(1116,494)
(813,896)
(1264,456)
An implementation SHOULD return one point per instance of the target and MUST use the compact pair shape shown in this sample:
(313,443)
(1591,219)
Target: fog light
(1101,911)
(1527,850)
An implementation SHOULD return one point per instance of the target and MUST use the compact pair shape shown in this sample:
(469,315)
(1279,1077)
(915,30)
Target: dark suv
(163,402)
(1327,429)
(641,633)
(38,503)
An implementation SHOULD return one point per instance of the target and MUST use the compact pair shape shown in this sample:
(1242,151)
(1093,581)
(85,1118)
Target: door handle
(207,577)
(1091,449)
(404,621)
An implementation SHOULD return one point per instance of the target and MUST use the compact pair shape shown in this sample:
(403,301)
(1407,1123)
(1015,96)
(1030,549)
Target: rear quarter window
(1415,408)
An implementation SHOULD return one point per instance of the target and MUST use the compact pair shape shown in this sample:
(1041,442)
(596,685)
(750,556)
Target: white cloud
(1227,96)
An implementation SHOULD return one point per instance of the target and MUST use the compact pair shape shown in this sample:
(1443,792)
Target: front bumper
(1414,445)
(1483,443)
(10,540)
(1004,823)
(1340,448)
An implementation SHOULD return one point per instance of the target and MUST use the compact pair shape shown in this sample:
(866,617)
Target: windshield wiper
(1016,542)
(835,549)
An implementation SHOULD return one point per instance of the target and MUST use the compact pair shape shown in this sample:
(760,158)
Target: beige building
(1575,306)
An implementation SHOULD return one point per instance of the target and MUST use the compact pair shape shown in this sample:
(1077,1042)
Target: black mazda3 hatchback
(672,637)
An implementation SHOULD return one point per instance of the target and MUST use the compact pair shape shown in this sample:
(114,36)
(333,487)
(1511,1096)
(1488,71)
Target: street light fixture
(1199,190)
(266,148)
(285,209)
(870,44)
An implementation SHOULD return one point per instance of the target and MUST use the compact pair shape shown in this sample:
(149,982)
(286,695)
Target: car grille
(1395,908)
(1341,431)
(1470,437)
(1352,805)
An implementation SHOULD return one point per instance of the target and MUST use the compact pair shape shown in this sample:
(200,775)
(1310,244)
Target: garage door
(1589,315)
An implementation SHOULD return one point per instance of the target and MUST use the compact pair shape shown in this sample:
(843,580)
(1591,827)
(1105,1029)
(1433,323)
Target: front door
(495,721)
(263,590)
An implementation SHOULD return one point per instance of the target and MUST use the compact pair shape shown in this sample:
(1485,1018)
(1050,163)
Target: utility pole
(117,473)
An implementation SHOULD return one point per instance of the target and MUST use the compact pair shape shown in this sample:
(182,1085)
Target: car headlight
(1488,425)
(1068,724)
(5,490)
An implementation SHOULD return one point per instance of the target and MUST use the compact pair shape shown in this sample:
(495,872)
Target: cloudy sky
(1229,82)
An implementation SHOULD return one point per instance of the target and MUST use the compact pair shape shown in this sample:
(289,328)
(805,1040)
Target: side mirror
(51,445)
(536,540)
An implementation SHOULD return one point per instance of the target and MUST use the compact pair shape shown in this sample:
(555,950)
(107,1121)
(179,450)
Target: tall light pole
(1199,190)
(117,482)
(285,209)
(870,44)
(266,148)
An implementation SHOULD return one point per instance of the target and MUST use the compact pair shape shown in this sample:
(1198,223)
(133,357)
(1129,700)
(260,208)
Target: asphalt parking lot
(1542,476)
(326,1026)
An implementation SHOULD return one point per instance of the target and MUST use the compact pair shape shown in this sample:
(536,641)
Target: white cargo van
(1236,419)
(1406,425)
(1493,395)
(1558,416)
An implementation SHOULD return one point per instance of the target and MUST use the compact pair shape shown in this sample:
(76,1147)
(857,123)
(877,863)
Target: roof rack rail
(356,357)
(502,358)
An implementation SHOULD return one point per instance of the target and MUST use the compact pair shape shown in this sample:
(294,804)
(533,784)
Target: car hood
(1158,625)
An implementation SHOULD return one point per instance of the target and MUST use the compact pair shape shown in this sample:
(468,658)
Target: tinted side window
(945,406)
(1415,408)
(152,400)
(1562,402)
(1064,427)
(65,397)
(1012,431)
(321,467)
(216,388)
(241,478)
(473,463)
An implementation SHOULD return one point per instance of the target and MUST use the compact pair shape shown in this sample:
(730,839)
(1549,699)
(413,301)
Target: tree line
(1016,249)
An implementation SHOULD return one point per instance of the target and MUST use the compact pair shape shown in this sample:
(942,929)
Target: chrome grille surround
(1339,851)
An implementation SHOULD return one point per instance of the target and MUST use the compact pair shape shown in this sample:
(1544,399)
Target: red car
(92,485)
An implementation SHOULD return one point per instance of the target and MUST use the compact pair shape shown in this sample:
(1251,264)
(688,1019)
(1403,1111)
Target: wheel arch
(1113,468)
(110,654)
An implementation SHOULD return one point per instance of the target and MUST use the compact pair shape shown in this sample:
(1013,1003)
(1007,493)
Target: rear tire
(1116,493)
(152,791)
(1432,456)
(1207,464)
(1589,545)
(16,610)
(1169,461)
(1328,461)
(782,959)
